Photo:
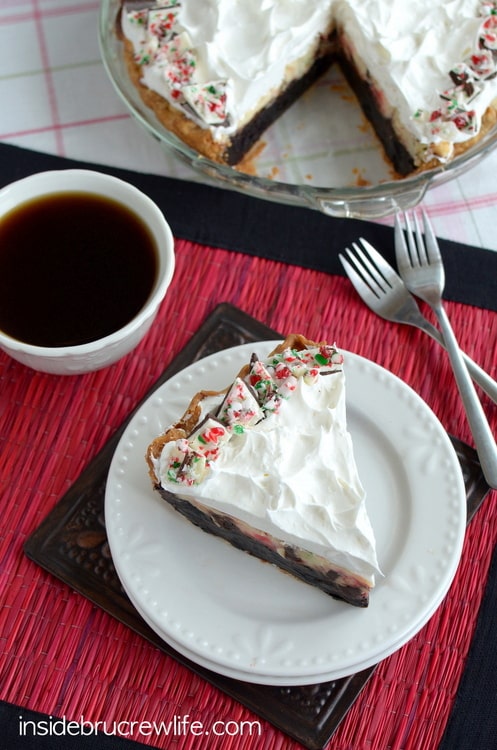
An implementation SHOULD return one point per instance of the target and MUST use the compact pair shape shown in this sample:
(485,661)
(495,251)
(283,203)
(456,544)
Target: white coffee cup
(103,351)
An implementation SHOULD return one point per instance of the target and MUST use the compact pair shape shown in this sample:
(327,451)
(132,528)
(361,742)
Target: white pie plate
(245,619)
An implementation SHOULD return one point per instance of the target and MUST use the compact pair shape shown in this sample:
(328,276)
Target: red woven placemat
(61,655)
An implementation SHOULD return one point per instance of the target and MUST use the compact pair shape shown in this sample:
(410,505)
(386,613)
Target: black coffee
(74,267)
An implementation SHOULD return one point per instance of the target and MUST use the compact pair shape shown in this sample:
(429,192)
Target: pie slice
(268,465)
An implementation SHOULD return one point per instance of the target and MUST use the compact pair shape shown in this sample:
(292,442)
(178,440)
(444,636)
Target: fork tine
(376,262)
(423,250)
(372,273)
(402,252)
(372,267)
(362,288)
(373,281)
(414,248)
(431,244)
(414,238)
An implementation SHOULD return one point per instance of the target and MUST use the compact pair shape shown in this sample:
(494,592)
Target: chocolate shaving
(467,86)
(254,359)
(252,390)
(134,5)
(187,461)
(216,414)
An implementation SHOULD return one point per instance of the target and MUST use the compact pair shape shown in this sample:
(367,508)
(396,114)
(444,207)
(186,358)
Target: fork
(420,266)
(384,292)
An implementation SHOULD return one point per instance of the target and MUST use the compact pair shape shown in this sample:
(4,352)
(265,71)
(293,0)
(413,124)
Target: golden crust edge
(172,119)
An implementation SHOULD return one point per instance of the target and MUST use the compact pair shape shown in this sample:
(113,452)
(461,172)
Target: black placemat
(472,723)
(300,236)
(309,714)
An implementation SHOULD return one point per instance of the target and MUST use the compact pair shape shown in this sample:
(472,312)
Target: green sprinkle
(320,359)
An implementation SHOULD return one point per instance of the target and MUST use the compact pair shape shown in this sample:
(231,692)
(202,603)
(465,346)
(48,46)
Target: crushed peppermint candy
(167,44)
(241,406)
(177,60)
(247,402)
(162,22)
(208,101)
(467,77)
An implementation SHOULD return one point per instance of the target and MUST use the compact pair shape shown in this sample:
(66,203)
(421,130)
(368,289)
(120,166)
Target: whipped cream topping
(220,61)
(280,458)
(434,62)
(233,55)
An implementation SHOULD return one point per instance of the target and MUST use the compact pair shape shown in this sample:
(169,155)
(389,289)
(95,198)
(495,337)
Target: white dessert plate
(246,619)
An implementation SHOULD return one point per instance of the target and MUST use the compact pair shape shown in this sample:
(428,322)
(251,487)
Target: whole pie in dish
(218,73)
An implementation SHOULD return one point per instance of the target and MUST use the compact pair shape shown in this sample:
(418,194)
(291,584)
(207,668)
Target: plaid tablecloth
(56,97)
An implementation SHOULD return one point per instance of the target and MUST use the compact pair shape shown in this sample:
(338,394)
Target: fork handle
(484,380)
(482,434)
(486,383)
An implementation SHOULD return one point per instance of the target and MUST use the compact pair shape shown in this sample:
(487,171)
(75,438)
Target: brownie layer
(397,153)
(242,142)
(221,525)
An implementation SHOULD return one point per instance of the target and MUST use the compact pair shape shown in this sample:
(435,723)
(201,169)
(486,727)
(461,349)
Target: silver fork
(420,266)
(384,292)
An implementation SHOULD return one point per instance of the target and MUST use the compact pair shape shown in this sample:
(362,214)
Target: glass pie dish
(321,154)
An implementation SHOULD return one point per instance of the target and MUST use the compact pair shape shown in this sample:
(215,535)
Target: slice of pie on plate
(268,465)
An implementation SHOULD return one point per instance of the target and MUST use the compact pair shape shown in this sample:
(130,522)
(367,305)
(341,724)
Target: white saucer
(245,619)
